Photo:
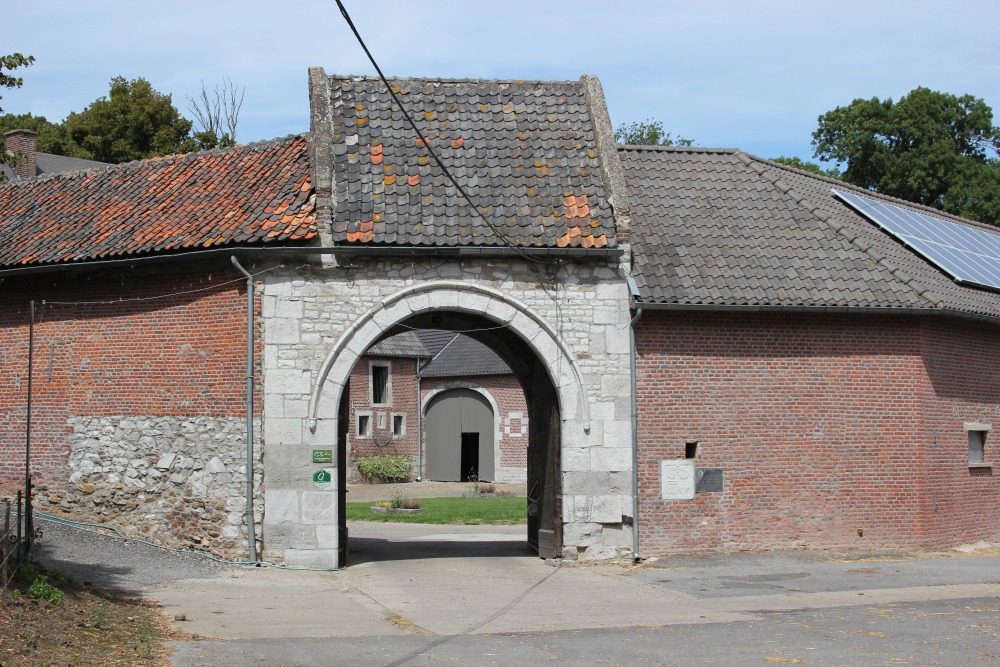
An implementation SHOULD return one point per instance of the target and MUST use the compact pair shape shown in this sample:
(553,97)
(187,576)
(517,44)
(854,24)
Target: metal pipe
(251,528)
(28,528)
(420,428)
(635,442)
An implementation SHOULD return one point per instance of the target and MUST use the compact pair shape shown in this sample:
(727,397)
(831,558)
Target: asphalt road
(474,595)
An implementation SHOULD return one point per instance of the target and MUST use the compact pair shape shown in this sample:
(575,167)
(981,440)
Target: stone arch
(464,297)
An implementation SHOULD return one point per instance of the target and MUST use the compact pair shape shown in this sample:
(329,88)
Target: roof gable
(525,152)
(247,195)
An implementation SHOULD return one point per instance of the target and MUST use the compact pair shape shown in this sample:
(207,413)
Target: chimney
(22,142)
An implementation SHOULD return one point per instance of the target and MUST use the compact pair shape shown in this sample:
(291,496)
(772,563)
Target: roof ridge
(438,353)
(158,161)
(435,79)
(677,149)
(760,167)
(865,192)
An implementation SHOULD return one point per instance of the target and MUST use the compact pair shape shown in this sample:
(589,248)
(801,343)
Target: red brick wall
(403,376)
(180,355)
(824,427)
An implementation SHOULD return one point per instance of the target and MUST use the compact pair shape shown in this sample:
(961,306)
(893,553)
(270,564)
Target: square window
(399,425)
(381,386)
(364,429)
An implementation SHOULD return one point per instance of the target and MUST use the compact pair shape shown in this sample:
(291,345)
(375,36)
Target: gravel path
(111,563)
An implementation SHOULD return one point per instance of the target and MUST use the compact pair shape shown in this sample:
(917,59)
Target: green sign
(322,456)
(322,479)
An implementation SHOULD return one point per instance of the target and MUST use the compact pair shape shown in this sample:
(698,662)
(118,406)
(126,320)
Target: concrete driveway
(422,594)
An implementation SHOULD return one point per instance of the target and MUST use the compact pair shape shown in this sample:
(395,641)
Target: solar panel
(966,254)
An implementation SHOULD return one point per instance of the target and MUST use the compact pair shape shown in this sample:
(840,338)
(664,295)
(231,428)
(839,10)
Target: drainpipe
(420,429)
(251,528)
(635,442)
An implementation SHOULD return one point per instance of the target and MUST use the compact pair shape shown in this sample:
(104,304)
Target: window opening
(399,425)
(977,442)
(364,426)
(380,383)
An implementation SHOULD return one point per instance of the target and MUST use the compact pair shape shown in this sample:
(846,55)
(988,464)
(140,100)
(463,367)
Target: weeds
(145,636)
(41,589)
(98,615)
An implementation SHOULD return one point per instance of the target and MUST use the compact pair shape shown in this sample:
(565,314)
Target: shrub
(41,589)
(384,467)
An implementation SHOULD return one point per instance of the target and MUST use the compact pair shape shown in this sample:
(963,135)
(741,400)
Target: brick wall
(829,430)
(104,377)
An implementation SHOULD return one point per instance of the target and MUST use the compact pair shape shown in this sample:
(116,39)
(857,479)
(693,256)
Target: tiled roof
(418,343)
(722,228)
(465,357)
(46,163)
(525,152)
(248,195)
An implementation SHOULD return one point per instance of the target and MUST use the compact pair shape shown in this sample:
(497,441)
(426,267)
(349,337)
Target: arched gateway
(528,255)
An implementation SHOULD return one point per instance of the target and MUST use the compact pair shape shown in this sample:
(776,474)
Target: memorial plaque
(708,480)
(677,480)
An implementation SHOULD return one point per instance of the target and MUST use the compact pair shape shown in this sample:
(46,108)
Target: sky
(726,73)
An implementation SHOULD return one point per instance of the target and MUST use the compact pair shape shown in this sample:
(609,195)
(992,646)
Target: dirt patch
(84,627)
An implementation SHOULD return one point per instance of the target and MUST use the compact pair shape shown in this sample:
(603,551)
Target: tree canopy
(811,167)
(10,63)
(133,122)
(928,147)
(648,133)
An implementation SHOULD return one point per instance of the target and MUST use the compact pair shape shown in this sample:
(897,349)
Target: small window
(398,425)
(691,449)
(977,433)
(381,387)
(364,429)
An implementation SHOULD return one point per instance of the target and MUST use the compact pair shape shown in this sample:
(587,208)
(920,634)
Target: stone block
(617,536)
(600,552)
(215,465)
(319,507)
(281,507)
(605,509)
(606,316)
(611,459)
(287,381)
(618,434)
(281,331)
(290,536)
(615,386)
(166,461)
(573,436)
(570,553)
(320,559)
(288,308)
(597,483)
(581,534)
(576,459)
(327,537)
(617,340)
(283,431)
(677,479)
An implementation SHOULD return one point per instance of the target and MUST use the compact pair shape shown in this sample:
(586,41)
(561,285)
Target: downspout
(633,288)
(251,528)
(420,429)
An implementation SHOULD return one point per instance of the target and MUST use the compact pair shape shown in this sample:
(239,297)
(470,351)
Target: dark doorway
(470,457)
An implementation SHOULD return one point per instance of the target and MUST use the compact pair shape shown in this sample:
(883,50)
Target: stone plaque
(677,479)
(708,480)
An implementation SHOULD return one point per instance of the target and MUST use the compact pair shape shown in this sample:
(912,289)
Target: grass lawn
(451,510)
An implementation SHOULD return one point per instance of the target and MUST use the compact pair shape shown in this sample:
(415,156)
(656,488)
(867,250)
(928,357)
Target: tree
(648,133)
(52,137)
(930,148)
(218,113)
(811,167)
(11,63)
(133,122)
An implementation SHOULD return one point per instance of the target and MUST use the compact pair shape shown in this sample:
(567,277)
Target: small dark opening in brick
(690,450)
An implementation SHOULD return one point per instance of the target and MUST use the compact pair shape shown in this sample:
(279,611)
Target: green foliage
(41,589)
(145,636)
(52,137)
(10,63)
(929,147)
(98,615)
(648,133)
(811,167)
(471,511)
(133,122)
(15,595)
(384,466)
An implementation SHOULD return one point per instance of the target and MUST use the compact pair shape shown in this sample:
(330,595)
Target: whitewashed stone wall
(180,481)
(306,313)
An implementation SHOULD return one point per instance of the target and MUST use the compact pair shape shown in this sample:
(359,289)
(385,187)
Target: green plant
(41,589)
(384,466)
(15,595)
(145,633)
(98,615)
(450,510)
